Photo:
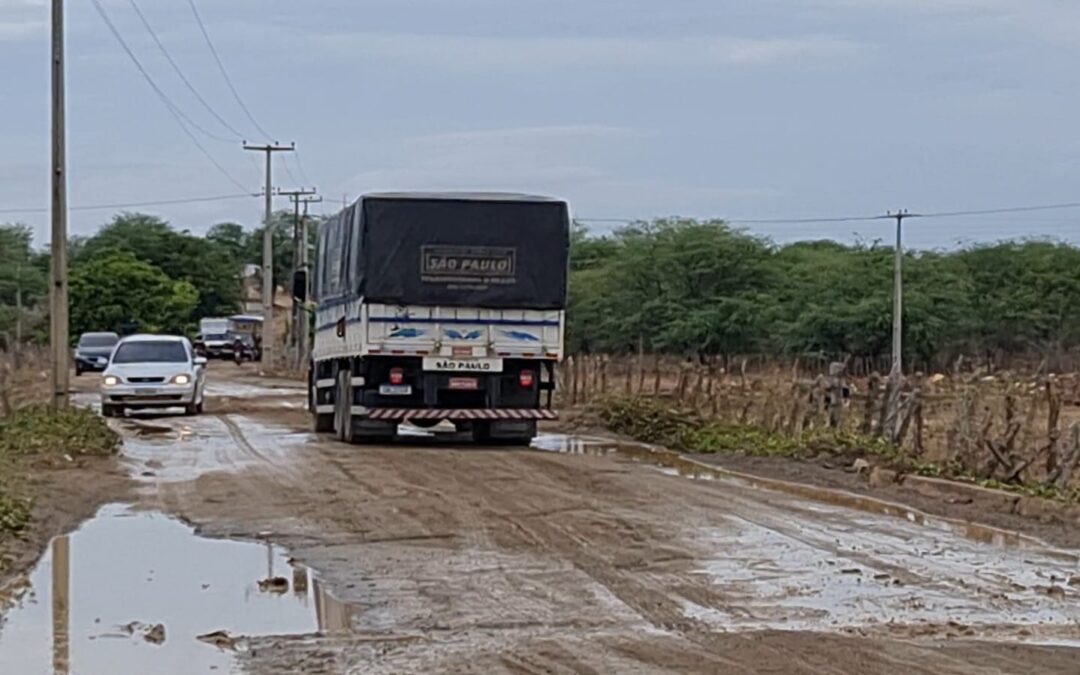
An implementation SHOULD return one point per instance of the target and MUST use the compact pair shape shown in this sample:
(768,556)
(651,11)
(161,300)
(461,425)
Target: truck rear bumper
(406,414)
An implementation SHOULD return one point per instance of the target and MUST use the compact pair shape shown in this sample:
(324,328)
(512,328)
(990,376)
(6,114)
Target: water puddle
(184,448)
(134,593)
(810,559)
(672,463)
(808,575)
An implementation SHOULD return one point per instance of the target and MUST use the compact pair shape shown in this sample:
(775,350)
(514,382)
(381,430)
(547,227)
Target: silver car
(153,371)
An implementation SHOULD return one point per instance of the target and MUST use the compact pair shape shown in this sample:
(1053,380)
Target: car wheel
(78,370)
(199,406)
(191,409)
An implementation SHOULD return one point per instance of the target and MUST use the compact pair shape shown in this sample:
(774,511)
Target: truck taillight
(397,376)
(525,379)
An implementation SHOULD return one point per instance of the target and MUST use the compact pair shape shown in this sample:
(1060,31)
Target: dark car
(93,351)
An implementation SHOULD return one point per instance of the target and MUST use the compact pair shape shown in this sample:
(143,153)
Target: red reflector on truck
(397,376)
(525,378)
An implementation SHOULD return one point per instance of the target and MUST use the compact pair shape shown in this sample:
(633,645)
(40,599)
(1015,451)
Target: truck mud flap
(405,414)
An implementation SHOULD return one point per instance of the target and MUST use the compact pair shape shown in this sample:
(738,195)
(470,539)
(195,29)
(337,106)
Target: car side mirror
(200,360)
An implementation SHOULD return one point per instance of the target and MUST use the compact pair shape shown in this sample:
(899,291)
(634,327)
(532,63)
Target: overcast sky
(628,108)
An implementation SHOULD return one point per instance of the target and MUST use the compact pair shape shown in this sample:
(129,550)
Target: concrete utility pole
(268,252)
(896,373)
(297,313)
(58,290)
(304,344)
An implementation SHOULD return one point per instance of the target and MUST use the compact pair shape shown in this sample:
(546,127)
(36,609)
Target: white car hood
(165,370)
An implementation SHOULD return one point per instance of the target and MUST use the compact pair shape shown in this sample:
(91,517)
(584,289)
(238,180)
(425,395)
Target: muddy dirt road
(288,553)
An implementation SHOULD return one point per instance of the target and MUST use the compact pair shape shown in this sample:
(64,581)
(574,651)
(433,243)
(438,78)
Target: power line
(177,114)
(1011,209)
(180,72)
(131,205)
(854,219)
(300,166)
(288,169)
(169,103)
(224,72)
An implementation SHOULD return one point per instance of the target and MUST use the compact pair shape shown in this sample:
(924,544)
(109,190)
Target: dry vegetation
(24,378)
(1001,429)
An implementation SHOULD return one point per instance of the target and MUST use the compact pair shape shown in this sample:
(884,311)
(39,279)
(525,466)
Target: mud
(829,475)
(584,555)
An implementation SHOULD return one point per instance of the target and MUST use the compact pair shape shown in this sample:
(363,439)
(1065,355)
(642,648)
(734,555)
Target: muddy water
(96,598)
(808,559)
(177,449)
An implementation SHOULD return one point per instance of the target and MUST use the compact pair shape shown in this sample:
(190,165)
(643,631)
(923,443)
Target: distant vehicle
(214,340)
(93,350)
(248,330)
(439,307)
(153,371)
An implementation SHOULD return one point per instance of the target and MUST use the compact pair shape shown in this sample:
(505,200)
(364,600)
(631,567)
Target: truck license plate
(463,365)
(395,389)
(464,383)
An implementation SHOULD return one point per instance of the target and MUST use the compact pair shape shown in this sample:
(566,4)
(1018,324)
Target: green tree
(209,265)
(22,278)
(116,288)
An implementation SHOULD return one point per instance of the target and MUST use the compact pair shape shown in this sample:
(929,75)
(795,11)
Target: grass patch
(653,421)
(14,514)
(39,432)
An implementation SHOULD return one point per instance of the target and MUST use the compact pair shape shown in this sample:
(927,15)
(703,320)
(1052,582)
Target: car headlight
(181,379)
(111,380)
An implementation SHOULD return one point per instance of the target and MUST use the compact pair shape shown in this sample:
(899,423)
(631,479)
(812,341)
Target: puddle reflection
(125,569)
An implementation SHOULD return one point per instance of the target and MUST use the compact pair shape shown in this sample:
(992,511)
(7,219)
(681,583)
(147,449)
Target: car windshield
(160,351)
(98,341)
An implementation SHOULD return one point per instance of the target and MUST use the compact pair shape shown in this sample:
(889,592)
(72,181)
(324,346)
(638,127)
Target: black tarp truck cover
(498,251)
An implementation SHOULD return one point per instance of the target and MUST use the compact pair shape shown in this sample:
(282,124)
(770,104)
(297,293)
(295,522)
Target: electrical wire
(169,103)
(288,171)
(172,108)
(300,166)
(1010,209)
(131,205)
(856,219)
(224,72)
(180,73)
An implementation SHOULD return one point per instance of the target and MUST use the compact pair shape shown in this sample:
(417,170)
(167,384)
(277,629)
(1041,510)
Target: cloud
(582,163)
(11,31)
(485,53)
(1056,20)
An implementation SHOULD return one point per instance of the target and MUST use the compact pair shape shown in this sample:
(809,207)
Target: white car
(153,371)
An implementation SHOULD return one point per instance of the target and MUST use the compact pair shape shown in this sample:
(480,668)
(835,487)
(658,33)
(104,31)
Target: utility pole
(268,252)
(303,344)
(58,290)
(298,243)
(892,411)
